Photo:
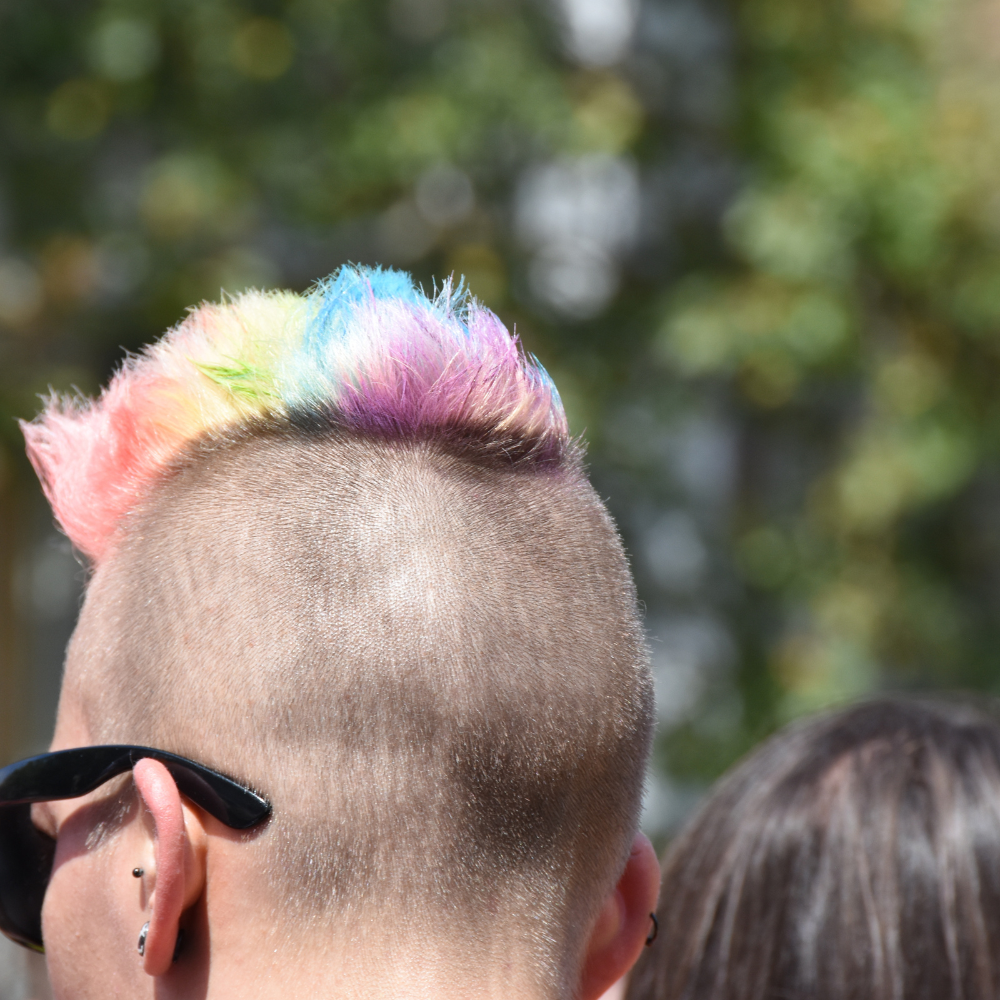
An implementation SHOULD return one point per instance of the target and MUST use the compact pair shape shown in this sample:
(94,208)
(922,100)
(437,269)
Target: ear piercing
(178,944)
(654,931)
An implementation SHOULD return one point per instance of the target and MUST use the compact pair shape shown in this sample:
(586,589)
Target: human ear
(177,878)
(622,926)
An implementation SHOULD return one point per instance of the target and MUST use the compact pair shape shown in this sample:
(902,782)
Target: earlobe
(622,927)
(177,878)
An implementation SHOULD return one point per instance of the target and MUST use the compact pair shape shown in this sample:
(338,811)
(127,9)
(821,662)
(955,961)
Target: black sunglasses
(26,854)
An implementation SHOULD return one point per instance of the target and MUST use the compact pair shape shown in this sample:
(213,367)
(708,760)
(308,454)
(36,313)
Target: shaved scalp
(344,549)
(428,658)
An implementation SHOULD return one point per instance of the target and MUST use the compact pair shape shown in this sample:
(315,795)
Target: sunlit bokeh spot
(263,49)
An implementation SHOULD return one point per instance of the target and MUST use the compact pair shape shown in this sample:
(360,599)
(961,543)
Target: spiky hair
(365,350)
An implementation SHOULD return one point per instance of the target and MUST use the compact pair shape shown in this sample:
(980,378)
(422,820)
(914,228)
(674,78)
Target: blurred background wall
(756,242)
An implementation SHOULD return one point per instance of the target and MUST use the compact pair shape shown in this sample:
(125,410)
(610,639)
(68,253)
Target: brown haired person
(358,703)
(854,855)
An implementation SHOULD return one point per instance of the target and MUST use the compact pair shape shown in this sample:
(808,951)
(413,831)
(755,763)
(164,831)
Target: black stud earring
(654,931)
(142,938)
(138,872)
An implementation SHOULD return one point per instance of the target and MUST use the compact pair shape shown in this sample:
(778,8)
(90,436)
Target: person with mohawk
(358,703)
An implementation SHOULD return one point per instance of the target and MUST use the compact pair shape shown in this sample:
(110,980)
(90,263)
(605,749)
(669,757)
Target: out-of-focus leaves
(861,302)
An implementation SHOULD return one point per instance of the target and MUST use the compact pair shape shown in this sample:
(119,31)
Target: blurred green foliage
(858,313)
(758,247)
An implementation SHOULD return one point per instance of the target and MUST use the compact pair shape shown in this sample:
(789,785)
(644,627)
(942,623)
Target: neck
(375,962)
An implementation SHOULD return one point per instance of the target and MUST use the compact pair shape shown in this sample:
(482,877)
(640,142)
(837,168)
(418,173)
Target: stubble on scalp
(432,665)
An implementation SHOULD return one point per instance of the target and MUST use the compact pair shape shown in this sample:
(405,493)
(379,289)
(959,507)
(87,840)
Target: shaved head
(345,550)
(430,660)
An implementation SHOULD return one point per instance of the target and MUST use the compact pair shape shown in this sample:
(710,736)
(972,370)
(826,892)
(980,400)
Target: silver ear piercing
(138,872)
(178,944)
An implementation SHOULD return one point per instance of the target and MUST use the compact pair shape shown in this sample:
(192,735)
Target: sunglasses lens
(26,857)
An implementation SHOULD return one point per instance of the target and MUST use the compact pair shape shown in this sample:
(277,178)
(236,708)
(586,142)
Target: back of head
(855,855)
(370,578)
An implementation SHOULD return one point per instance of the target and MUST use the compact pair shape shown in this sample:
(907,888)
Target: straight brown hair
(854,856)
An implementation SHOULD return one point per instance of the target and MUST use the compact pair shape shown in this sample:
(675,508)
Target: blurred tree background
(756,242)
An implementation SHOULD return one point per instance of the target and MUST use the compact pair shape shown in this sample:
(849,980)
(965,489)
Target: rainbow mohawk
(365,351)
